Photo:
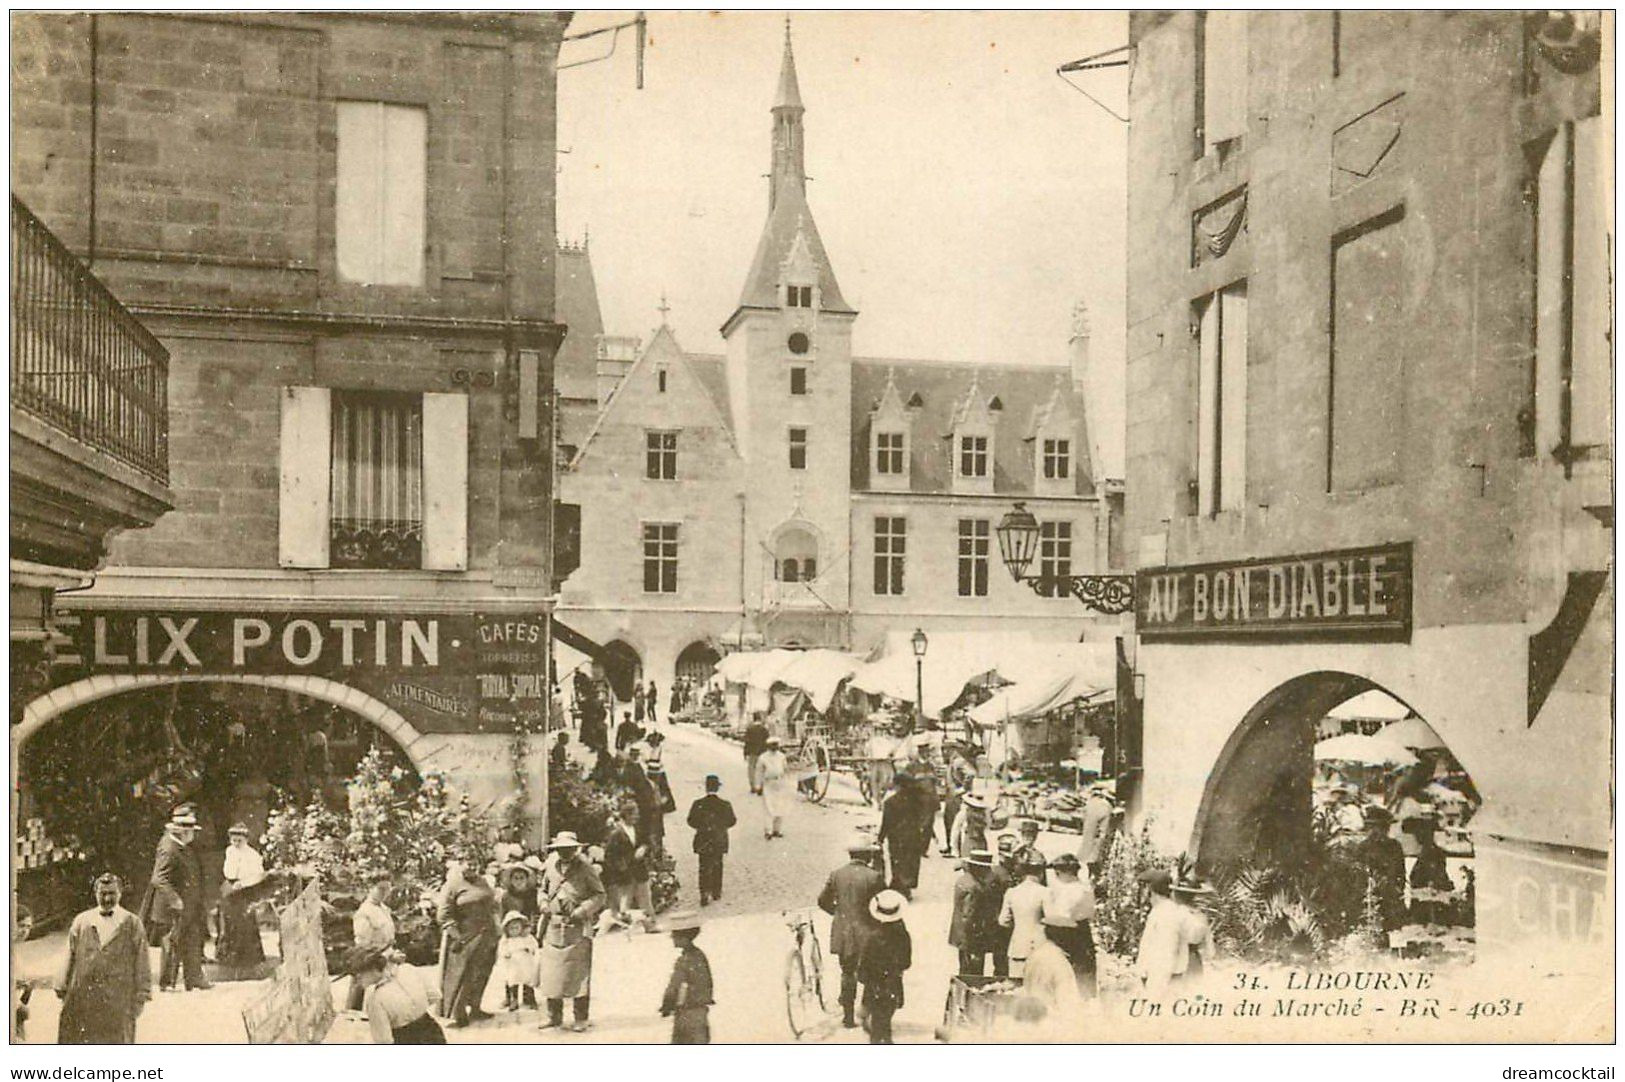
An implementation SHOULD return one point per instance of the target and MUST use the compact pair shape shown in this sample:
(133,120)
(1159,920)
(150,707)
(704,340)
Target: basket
(971,1006)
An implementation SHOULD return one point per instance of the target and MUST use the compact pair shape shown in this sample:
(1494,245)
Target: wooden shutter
(305,476)
(1207,408)
(1233,397)
(445,482)
(382,171)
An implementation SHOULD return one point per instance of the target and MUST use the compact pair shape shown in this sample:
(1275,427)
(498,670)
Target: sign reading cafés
(1348,594)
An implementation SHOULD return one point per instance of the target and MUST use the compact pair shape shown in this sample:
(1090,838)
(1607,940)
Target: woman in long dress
(468,914)
(778,788)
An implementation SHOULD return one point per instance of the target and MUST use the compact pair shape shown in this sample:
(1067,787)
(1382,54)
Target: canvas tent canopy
(1046,678)
(816,673)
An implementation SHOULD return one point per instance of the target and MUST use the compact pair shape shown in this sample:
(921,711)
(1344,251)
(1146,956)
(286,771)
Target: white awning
(1046,677)
(1373,704)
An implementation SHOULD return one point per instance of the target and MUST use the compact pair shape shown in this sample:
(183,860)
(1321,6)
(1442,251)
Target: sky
(968,197)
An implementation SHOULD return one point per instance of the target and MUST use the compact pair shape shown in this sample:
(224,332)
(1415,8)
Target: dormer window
(1057,464)
(889,453)
(798,297)
(973,456)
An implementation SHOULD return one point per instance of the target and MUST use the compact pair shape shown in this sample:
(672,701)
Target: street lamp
(919,642)
(1018,542)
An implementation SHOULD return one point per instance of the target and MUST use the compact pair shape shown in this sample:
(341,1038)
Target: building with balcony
(1369,391)
(787,492)
(340,229)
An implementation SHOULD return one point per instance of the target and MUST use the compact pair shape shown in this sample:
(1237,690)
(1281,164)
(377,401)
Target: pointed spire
(664,309)
(789,95)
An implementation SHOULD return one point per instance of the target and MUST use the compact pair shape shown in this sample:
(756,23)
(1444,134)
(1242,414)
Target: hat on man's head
(979,857)
(686,921)
(565,839)
(1029,824)
(1376,813)
(1007,843)
(973,800)
(773,741)
(887,906)
(862,844)
(183,816)
(712,783)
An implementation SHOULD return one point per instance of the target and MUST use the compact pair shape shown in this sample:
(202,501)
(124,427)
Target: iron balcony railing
(79,360)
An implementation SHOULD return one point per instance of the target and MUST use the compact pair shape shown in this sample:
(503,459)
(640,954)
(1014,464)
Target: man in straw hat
(172,909)
(1097,827)
(689,993)
(974,927)
(106,978)
(572,897)
(886,956)
(845,897)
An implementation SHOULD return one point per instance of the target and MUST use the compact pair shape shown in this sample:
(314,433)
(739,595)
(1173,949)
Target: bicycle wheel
(802,1007)
(823,767)
(815,962)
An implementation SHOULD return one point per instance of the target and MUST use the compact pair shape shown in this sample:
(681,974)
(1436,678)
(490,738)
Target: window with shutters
(891,542)
(798,448)
(1057,459)
(381,192)
(376,519)
(373,480)
(1221,409)
(660,456)
(660,557)
(1055,556)
(973,556)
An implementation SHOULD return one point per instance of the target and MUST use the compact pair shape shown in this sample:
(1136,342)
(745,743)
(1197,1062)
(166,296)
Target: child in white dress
(518,956)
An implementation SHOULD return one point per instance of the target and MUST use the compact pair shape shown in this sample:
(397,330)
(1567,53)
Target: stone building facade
(797,494)
(1369,369)
(341,229)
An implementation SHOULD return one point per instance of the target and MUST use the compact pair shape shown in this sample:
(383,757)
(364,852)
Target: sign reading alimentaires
(1350,594)
(444,672)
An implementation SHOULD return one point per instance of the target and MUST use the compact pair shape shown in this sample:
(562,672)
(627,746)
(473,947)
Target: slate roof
(941,388)
(575,304)
(712,371)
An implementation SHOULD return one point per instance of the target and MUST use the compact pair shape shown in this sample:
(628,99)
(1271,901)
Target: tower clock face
(799,343)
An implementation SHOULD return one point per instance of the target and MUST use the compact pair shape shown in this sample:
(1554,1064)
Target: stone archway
(623,666)
(697,661)
(419,749)
(1258,794)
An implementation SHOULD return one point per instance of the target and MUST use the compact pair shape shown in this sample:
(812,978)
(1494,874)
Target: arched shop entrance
(697,662)
(1320,767)
(623,668)
(103,761)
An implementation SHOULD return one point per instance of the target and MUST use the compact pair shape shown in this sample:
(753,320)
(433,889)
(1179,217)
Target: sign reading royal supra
(444,672)
(1351,594)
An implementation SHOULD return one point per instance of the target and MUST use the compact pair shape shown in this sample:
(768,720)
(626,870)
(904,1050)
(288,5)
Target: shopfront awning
(1047,678)
(952,660)
(819,673)
(611,661)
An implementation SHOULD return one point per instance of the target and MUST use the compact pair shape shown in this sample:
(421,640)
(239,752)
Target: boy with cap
(711,817)
(689,993)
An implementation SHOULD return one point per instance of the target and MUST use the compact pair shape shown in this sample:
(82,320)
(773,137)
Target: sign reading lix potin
(445,672)
(1352,594)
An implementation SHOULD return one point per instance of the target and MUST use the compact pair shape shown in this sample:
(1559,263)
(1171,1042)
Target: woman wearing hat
(1176,932)
(241,873)
(572,898)
(886,956)
(397,1012)
(468,916)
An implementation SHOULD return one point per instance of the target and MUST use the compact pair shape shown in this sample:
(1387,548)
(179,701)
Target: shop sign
(1351,594)
(1529,897)
(444,672)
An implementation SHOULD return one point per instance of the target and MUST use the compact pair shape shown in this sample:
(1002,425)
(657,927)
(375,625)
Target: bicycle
(804,975)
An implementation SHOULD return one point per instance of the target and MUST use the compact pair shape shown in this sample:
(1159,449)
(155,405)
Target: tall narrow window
(889,452)
(1222,75)
(381,192)
(660,380)
(660,456)
(1057,459)
(799,296)
(973,456)
(1221,412)
(660,558)
(1055,556)
(798,379)
(973,553)
(377,505)
(1572,374)
(891,541)
(798,448)
(1366,411)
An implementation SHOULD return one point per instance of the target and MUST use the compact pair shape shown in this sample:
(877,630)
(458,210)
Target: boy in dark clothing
(688,996)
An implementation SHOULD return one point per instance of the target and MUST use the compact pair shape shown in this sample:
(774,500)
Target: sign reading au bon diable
(1351,594)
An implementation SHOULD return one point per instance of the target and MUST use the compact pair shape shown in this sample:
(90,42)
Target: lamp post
(1019,534)
(919,642)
